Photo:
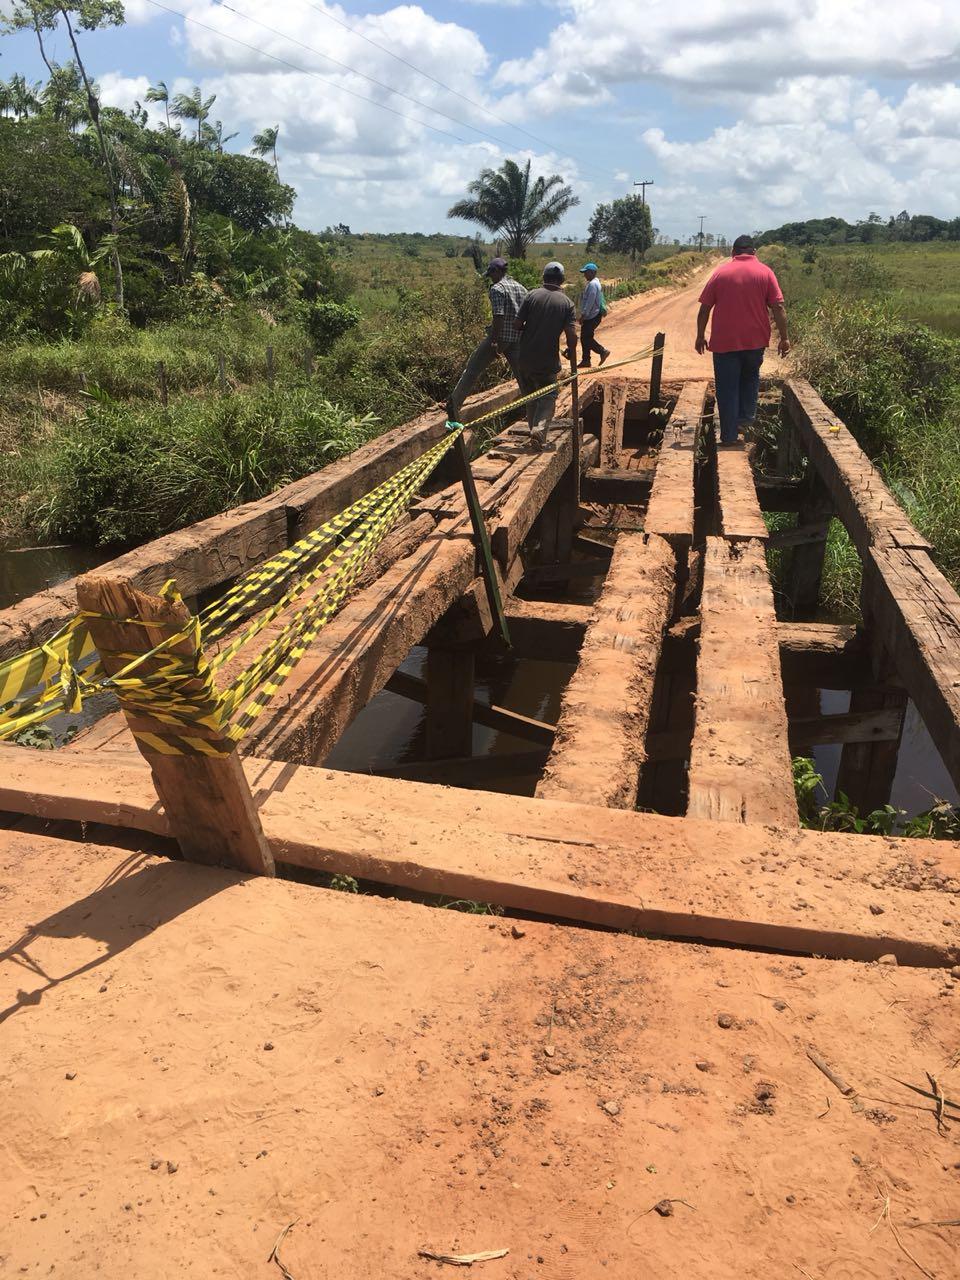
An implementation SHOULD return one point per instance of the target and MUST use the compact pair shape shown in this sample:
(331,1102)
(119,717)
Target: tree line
(903,226)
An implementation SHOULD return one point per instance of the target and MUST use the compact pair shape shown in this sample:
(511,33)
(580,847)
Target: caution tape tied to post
(176,688)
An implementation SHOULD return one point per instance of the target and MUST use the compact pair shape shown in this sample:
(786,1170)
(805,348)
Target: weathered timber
(448,698)
(615,485)
(542,575)
(740,765)
(543,629)
(824,655)
(489,715)
(611,426)
(869,511)
(656,368)
(868,767)
(776,494)
(912,610)
(208,804)
(740,514)
(806,561)
(859,726)
(531,491)
(597,866)
(670,509)
(472,771)
(605,710)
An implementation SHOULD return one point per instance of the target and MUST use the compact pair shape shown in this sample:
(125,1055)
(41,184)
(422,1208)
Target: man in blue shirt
(592,311)
(506,295)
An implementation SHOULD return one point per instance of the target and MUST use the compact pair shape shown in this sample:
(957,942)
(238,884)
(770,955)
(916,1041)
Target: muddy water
(389,732)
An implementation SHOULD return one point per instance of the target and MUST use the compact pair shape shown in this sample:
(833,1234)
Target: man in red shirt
(740,293)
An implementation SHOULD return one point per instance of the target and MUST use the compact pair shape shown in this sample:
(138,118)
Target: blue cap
(591,266)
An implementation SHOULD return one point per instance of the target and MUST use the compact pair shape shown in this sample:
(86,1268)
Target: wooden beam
(471,771)
(540,575)
(746,885)
(868,766)
(611,427)
(805,571)
(544,629)
(615,486)
(606,706)
(776,494)
(912,610)
(448,697)
(740,514)
(207,801)
(531,491)
(857,726)
(670,510)
(740,765)
(489,715)
(218,550)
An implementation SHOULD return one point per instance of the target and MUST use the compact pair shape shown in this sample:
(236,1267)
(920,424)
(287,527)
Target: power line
(304,70)
(545,142)
(363,76)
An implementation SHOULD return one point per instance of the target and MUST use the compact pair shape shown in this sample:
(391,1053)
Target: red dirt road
(194,1061)
(632,324)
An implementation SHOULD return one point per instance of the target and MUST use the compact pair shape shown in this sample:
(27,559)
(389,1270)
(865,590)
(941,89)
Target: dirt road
(633,322)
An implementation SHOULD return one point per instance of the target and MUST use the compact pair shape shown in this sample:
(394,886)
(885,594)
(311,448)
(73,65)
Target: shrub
(328,321)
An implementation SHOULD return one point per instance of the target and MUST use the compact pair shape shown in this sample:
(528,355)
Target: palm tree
(160,93)
(193,106)
(24,99)
(213,133)
(265,142)
(63,95)
(506,202)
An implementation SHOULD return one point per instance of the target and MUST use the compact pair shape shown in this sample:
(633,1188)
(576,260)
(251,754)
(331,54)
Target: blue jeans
(737,378)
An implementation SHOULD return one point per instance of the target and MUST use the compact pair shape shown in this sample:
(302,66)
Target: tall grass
(123,473)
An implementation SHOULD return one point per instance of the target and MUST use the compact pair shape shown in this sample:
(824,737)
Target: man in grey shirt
(506,295)
(545,315)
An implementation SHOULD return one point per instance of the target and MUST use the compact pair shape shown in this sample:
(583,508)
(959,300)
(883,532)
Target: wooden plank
(776,494)
(615,485)
(868,767)
(869,511)
(740,765)
(544,629)
(740,514)
(912,610)
(217,550)
(208,804)
(857,726)
(605,710)
(670,510)
(742,884)
(531,491)
(611,425)
(824,655)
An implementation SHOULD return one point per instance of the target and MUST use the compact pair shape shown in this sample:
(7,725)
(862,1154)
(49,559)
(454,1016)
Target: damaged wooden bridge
(662,799)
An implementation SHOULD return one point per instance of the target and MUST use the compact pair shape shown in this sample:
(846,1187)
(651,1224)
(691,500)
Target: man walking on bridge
(545,314)
(592,310)
(506,294)
(740,293)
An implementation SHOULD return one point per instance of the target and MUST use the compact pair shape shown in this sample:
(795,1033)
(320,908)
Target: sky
(750,112)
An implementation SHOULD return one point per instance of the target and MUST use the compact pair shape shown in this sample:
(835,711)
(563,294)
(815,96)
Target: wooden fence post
(308,362)
(222,371)
(206,798)
(270,367)
(162,379)
(656,369)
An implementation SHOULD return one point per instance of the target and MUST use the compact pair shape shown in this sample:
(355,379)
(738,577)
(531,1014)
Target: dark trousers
(737,378)
(588,342)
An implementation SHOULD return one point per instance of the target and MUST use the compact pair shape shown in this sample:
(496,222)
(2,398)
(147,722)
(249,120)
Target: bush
(124,473)
(328,321)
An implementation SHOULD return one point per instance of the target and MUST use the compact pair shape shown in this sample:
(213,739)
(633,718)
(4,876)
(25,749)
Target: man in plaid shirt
(506,295)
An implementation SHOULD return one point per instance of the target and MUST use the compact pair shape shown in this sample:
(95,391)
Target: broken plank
(611,423)
(740,764)
(605,710)
(740,514)
(670,509)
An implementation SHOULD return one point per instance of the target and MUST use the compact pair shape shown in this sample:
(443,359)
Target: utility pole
(647,182)
(702,218)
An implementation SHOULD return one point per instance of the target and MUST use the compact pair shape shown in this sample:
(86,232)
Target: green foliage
(344,884)
(328,321)
(870,230)
(121,473)
(509,201)
(528,273)
(624,226)
(45,180)
(819,812)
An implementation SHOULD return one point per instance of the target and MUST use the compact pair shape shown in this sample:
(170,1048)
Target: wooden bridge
(688,700)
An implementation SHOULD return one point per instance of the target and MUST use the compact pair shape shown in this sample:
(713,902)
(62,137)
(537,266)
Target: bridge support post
(450,681)
(206,797)
(806,562)
(656,369)
(867,769)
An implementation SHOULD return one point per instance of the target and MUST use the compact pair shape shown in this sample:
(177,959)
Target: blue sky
(753,112)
